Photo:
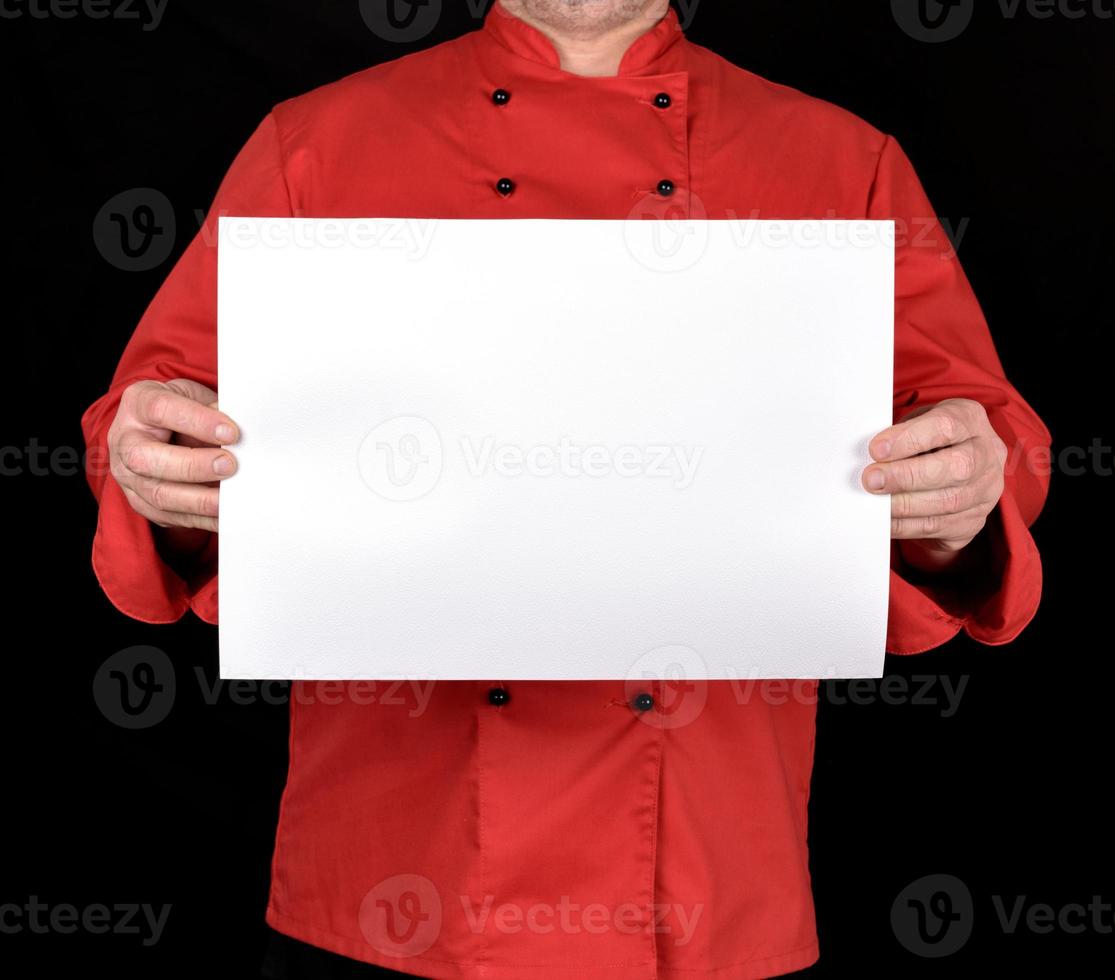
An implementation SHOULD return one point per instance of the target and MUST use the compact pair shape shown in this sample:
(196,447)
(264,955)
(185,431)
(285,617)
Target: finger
(929,503)
(179,498)
(960,527)
(177,439)
(165,408)
(166,518)
(195,390)
(149,457)
(943,425)
(943,468)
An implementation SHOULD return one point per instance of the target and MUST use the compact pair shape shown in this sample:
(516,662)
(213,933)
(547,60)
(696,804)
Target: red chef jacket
(564,833)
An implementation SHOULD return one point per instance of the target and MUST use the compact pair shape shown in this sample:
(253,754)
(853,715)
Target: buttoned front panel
(625,146)
(742,805)
(478,156)
(577,892)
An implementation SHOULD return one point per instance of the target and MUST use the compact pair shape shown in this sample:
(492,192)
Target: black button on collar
(642,702)
(665,187)
(499,696)
(501,96)
(505,185)
(662,100)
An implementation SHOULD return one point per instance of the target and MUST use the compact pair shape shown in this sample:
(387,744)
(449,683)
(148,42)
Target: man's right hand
(164,451)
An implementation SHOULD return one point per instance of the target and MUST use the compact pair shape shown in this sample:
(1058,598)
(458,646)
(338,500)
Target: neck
(585,47)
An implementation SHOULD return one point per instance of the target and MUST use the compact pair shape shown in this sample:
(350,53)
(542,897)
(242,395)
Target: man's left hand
(943,468)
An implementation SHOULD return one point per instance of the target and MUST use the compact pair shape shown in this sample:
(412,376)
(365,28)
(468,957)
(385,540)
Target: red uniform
(564,833)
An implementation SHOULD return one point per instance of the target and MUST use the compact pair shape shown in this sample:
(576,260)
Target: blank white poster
(553,449)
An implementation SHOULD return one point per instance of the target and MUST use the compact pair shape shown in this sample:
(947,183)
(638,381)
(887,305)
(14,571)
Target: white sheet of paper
(553,449)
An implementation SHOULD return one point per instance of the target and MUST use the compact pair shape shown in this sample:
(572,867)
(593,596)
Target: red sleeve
(176,338)
(943,349)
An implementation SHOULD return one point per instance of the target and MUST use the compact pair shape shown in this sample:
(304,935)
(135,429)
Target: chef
(570,830)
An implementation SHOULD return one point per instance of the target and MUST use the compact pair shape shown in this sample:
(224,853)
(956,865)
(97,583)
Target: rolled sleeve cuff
(992,604)
(135,577)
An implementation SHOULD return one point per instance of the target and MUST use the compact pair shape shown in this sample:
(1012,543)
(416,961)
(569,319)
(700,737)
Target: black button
(501,96)
(499,696)
(642,702)
(505,185)
(665,187)
(663,100)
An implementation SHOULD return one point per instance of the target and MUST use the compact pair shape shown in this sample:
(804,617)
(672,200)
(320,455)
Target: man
(571,830)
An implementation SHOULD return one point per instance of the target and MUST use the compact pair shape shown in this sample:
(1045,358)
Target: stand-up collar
(655,51)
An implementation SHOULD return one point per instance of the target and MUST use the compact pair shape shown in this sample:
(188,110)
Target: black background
(1010,126)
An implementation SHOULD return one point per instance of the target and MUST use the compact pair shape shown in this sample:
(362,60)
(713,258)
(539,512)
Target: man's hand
(164,452)
(943,468)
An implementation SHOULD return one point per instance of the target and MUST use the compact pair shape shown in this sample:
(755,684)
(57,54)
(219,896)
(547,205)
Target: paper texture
(553,449)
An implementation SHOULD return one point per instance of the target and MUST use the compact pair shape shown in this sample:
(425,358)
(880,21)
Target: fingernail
(224,433)
(882,450)
(223,465)
(876,480)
